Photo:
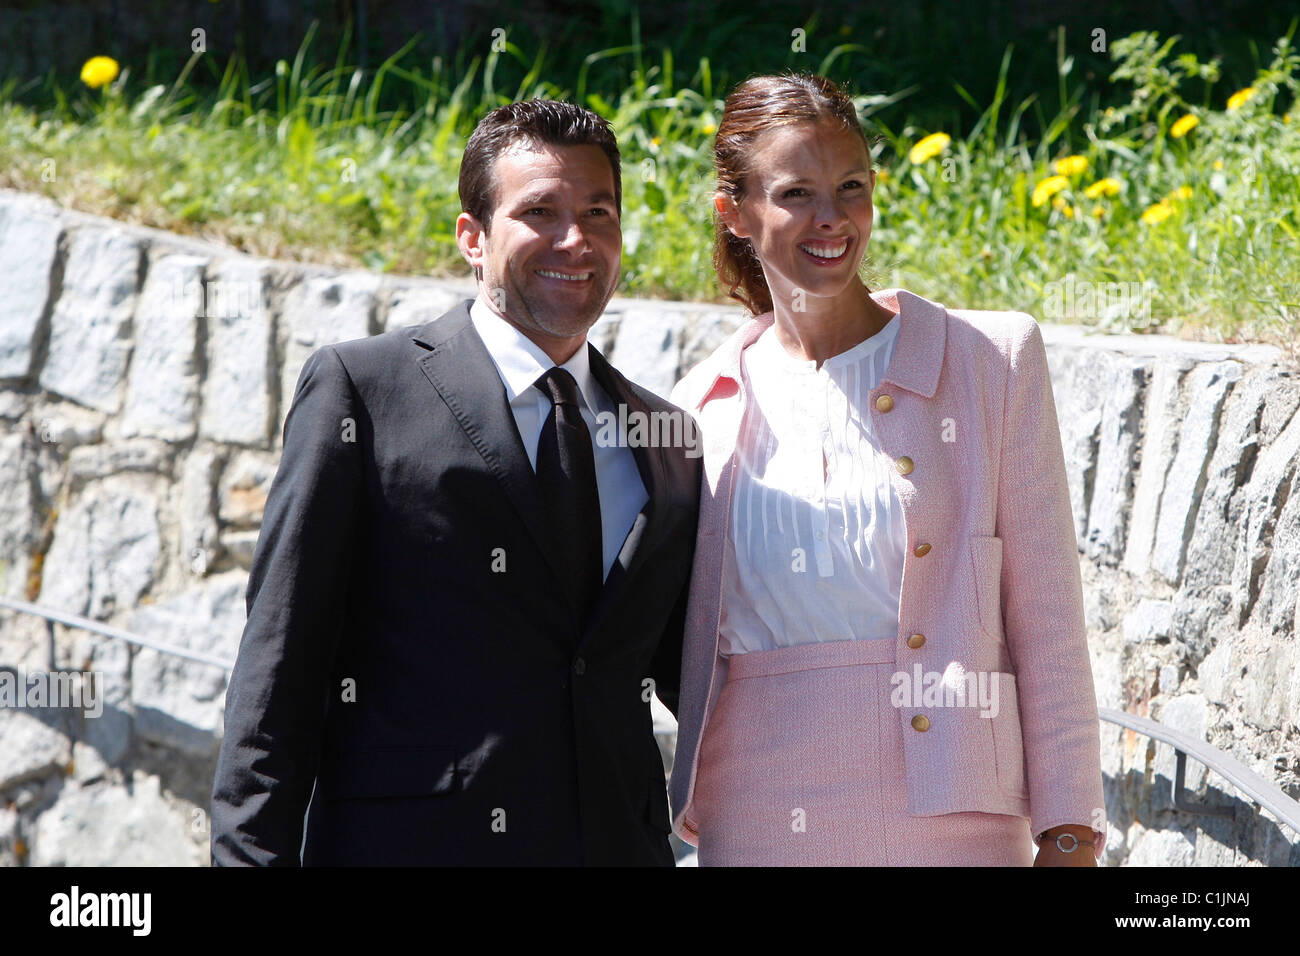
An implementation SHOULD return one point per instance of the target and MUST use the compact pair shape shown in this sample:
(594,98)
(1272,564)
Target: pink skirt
(801,764)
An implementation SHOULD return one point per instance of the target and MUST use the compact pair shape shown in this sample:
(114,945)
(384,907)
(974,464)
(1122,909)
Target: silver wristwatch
(1073,846)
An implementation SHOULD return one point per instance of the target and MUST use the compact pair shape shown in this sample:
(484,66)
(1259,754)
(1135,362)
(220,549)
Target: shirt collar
(521,361)
(918,352)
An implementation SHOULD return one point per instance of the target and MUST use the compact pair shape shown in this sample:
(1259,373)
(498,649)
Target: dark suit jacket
(409,651)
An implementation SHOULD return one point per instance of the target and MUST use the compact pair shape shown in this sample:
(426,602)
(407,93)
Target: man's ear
(730,214)
(470,239)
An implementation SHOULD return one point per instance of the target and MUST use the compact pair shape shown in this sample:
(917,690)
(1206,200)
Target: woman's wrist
(1075,835)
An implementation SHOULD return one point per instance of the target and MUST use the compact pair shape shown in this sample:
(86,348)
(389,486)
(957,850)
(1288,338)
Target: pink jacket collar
(915,365)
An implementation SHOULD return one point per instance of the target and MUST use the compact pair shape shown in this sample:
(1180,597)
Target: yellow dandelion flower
(708,129)
(1048,188)
(1218,164)
(928,148)
(99,71)
(882,176)
(655,141)
(1183,126)
(1103,187)
(1070,165)
(1237,100)
(1182,192)
(1158,212)
(1098,212)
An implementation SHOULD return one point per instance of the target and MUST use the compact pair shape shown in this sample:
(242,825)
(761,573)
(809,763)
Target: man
(461,601)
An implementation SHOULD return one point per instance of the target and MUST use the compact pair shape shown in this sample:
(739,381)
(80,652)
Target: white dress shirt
(521,362)
(817,538)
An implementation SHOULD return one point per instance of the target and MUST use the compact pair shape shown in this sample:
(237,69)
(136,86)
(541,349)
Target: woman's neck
(827,327)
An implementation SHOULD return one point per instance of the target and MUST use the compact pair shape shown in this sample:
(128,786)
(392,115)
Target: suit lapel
(459,367)
(651,520)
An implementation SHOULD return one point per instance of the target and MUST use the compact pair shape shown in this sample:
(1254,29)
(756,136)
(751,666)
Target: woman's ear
(729,212)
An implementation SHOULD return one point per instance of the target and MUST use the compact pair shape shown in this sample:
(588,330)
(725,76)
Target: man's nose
(571,235)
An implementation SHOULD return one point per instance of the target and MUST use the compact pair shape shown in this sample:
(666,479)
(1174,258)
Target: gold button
(904,465)
(915,641)
(921,550)
(921,722)
(885,403)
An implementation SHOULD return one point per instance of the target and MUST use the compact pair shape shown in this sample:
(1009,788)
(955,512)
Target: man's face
(550,257)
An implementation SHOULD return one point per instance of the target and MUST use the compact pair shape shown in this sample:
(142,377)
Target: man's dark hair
(535,123)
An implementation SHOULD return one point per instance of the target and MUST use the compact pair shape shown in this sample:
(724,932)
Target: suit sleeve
(666,668)
(668,659)
(1042,600)
(296,601)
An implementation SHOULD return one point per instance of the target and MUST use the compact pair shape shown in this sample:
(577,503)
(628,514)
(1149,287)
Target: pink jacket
(991,579)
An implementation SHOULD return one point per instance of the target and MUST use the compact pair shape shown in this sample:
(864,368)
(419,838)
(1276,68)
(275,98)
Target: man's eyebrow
(533,199)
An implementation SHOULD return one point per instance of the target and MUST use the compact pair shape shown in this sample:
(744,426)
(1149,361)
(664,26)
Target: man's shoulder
(650,399)
(378,354)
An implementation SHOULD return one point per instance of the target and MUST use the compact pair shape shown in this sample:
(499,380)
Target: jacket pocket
(986,559)
(388,772)
(1008,742)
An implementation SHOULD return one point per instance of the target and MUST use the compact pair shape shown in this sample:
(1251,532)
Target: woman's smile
(826,253)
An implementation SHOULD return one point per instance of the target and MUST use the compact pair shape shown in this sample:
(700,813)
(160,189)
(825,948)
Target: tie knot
(559,385)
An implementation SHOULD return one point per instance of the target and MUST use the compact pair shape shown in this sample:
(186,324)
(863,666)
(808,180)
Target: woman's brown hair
(758,104)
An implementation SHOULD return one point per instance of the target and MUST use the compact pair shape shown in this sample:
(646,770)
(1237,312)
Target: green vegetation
(328,163)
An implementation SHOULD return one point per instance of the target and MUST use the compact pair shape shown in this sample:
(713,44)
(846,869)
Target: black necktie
(566,471)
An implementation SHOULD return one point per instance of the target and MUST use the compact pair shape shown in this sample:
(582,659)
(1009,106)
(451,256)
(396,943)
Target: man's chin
(564,320)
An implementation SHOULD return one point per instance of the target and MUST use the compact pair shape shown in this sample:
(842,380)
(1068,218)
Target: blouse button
(885,403)
(921,550)
(915,641)
(904,465)
(921,722)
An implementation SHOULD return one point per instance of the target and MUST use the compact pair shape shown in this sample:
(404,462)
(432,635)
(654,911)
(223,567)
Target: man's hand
(1049,854)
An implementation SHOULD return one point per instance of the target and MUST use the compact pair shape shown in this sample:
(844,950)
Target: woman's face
(806,209)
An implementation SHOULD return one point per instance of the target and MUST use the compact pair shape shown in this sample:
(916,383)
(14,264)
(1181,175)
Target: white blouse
(817,534)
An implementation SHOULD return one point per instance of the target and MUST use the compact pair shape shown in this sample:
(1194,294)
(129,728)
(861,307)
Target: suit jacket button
(885,403)
(915,641)
(904,465)
(921,550)
(579,667)
(921,722)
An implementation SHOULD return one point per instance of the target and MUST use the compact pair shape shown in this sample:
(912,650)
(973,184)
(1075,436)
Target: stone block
(237,400)
(163,385)
(1207,387)
(91,328)
(29,241)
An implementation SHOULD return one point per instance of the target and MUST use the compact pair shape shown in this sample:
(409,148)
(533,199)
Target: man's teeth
(825,252)
(580,277)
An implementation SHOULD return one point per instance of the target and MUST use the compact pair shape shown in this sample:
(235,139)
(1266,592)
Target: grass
(328,163)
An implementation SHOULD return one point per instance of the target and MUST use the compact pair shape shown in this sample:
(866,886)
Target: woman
(885,658)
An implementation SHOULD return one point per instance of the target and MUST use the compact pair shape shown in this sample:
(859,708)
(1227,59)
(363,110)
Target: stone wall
(144,380)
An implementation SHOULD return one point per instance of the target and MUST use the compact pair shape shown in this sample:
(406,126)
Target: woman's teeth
(580,277)
(823,251)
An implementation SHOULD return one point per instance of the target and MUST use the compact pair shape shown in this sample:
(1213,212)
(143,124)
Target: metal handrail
(1234,771)
(86,624)
(1230,768)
